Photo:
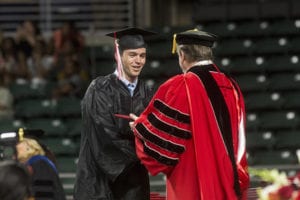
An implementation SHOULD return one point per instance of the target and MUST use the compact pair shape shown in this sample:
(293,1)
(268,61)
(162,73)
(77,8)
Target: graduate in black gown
(108,168)
(45,181)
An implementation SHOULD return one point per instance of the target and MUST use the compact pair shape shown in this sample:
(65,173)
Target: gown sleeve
(163,129)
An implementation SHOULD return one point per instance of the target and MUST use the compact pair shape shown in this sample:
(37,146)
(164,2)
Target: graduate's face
(22,151)
(133,61)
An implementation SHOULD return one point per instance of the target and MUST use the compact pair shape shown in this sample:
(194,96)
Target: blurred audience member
(8,59)
(67,33)
(13,62)
(21,73)
(40,63)
(6,100)
(71,80)
(27,35)
(14,181)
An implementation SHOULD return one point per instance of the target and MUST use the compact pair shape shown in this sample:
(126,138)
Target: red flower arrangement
(278,185)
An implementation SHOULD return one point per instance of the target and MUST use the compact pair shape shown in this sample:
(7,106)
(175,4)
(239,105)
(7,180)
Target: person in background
(13,62)
(40,63)
(45,180)
(6,100)
(27,36)
(108,167)
(194,127)
(8,59)
(70,81)
(14,181)
(66,35)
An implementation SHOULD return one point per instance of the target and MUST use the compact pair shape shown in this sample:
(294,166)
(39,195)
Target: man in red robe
(193,130)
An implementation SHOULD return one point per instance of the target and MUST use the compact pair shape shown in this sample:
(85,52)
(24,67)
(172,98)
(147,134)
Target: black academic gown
(108,168)
(46,184)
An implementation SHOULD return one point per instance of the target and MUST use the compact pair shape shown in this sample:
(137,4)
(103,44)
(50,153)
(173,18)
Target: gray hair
(195,53)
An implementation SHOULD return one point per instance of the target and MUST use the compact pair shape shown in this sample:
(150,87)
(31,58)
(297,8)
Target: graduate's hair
(34,148)
(196,52)
(14,181)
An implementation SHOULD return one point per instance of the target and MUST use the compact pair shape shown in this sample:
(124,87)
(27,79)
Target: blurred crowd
(28,57)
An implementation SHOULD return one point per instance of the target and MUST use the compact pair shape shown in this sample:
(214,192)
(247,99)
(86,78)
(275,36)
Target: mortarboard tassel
(118,58)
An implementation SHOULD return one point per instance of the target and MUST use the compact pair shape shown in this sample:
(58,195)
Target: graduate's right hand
(133,117)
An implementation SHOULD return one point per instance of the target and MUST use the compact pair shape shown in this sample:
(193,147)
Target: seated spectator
(27,35)
(45,178)
(71,80)
(8,59)
(14,181)
(40,63)
(6,100)
(13,62)
(67,33)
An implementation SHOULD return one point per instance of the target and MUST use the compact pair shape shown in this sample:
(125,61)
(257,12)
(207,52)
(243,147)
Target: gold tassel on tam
(21,134)
(174,44)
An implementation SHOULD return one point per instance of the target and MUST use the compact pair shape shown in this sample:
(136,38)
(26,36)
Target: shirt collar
(203,62)
(125,81)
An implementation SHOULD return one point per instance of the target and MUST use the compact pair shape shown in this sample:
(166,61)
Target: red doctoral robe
(179,135)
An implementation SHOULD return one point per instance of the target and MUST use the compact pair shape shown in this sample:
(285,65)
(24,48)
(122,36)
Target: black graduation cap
(30,133)
(13,137)
(131,38)
(196,36)
(33,133)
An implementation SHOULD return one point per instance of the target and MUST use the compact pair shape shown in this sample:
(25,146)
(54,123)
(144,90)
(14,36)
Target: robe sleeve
(163,129)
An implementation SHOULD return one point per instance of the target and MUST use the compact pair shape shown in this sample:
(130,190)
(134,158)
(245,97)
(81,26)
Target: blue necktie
(131,88)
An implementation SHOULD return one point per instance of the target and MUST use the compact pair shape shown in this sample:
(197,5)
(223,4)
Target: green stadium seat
(264,100)
(252,82)
(279,157)
(277,45)
(282,63)
(68,107)
(295,45)
(27,90)
(276,120)
(288,139)
(155,82)
(68,185)
(104,67)
(284,81)
(61,146)
(103,51)
(284,27)
(160,49)
(252,121)
(222,29)
(234,47)
(260,140)
(66,164)
(253,29)
(51,126)
(8,125)
(31,108)
(157,183)
(154,68)
(292,100)
(247,64)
